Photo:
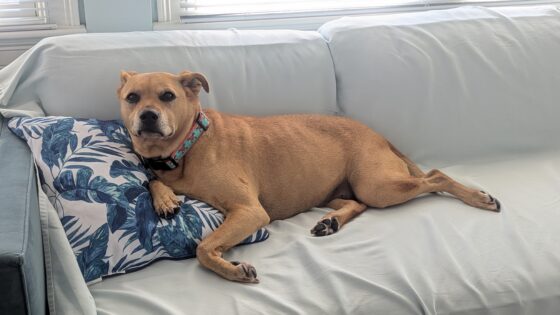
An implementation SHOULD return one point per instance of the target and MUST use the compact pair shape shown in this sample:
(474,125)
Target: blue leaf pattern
(116,216)
(55,141)
(146,220)
(91,259)
(99,187)
(173,238)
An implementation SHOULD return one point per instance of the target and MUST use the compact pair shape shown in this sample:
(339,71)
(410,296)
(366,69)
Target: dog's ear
(194,81)
(125,75)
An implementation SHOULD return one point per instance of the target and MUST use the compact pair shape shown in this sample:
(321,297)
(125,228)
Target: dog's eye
(167,97)
(133,98)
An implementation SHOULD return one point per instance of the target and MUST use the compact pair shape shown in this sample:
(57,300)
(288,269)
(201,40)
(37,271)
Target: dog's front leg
(238,225)
(165,202)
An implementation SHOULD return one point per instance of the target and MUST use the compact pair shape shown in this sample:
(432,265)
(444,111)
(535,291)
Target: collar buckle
(159,164)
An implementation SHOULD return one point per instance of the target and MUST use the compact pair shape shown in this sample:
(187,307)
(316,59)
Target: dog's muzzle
(149,123)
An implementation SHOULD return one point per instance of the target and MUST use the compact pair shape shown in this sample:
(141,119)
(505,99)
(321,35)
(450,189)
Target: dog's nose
(149,117)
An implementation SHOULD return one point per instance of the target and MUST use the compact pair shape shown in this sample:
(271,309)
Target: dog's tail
(412,167)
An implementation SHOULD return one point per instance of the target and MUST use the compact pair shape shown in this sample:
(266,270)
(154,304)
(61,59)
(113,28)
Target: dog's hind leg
(392,189)
(344,211)
(380,176)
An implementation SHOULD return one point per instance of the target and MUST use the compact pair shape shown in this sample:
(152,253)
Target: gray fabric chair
(22,269)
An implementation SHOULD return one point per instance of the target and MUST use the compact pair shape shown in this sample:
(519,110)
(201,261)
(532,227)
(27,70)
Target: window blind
(192,11)
(23,15)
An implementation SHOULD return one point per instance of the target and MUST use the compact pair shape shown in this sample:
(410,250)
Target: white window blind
(192,11)
(16,15)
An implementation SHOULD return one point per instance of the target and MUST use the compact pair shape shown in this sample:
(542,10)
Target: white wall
(118,15)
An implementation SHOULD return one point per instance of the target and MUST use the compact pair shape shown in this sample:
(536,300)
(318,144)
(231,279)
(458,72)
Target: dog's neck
(172,159)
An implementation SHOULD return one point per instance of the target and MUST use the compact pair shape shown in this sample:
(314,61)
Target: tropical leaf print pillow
(100,189)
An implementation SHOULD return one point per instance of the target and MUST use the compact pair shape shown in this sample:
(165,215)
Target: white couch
(472,91)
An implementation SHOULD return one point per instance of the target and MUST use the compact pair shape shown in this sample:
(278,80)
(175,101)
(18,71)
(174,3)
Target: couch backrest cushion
(250,72)
(455,84)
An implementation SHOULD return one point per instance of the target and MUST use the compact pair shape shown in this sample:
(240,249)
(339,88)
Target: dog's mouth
(151,134)
(153,130)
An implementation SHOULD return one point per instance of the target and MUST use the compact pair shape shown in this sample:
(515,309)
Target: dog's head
(156,107)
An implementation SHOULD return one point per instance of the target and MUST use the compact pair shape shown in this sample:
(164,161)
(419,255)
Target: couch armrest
(22,272)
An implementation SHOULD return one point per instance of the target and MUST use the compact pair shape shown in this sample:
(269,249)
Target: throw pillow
(100,189)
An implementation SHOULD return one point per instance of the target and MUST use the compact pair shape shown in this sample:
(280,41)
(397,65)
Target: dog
(259,169)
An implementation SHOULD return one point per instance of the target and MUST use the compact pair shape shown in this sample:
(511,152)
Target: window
(23,15)
(247,9)
(26,15)
(25,22)
(259,13)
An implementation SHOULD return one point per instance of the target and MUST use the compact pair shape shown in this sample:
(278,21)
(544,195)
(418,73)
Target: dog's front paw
(326,226)
(244,272)
(166,204)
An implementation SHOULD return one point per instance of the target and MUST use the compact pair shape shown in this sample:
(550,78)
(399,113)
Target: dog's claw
(493,202)
(170,215)
(253,272)
(167,208)
(498,205)
(249,272)
(326,227)
(167,215)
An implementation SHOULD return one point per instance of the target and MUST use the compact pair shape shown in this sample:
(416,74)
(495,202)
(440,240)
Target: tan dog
(256,170)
